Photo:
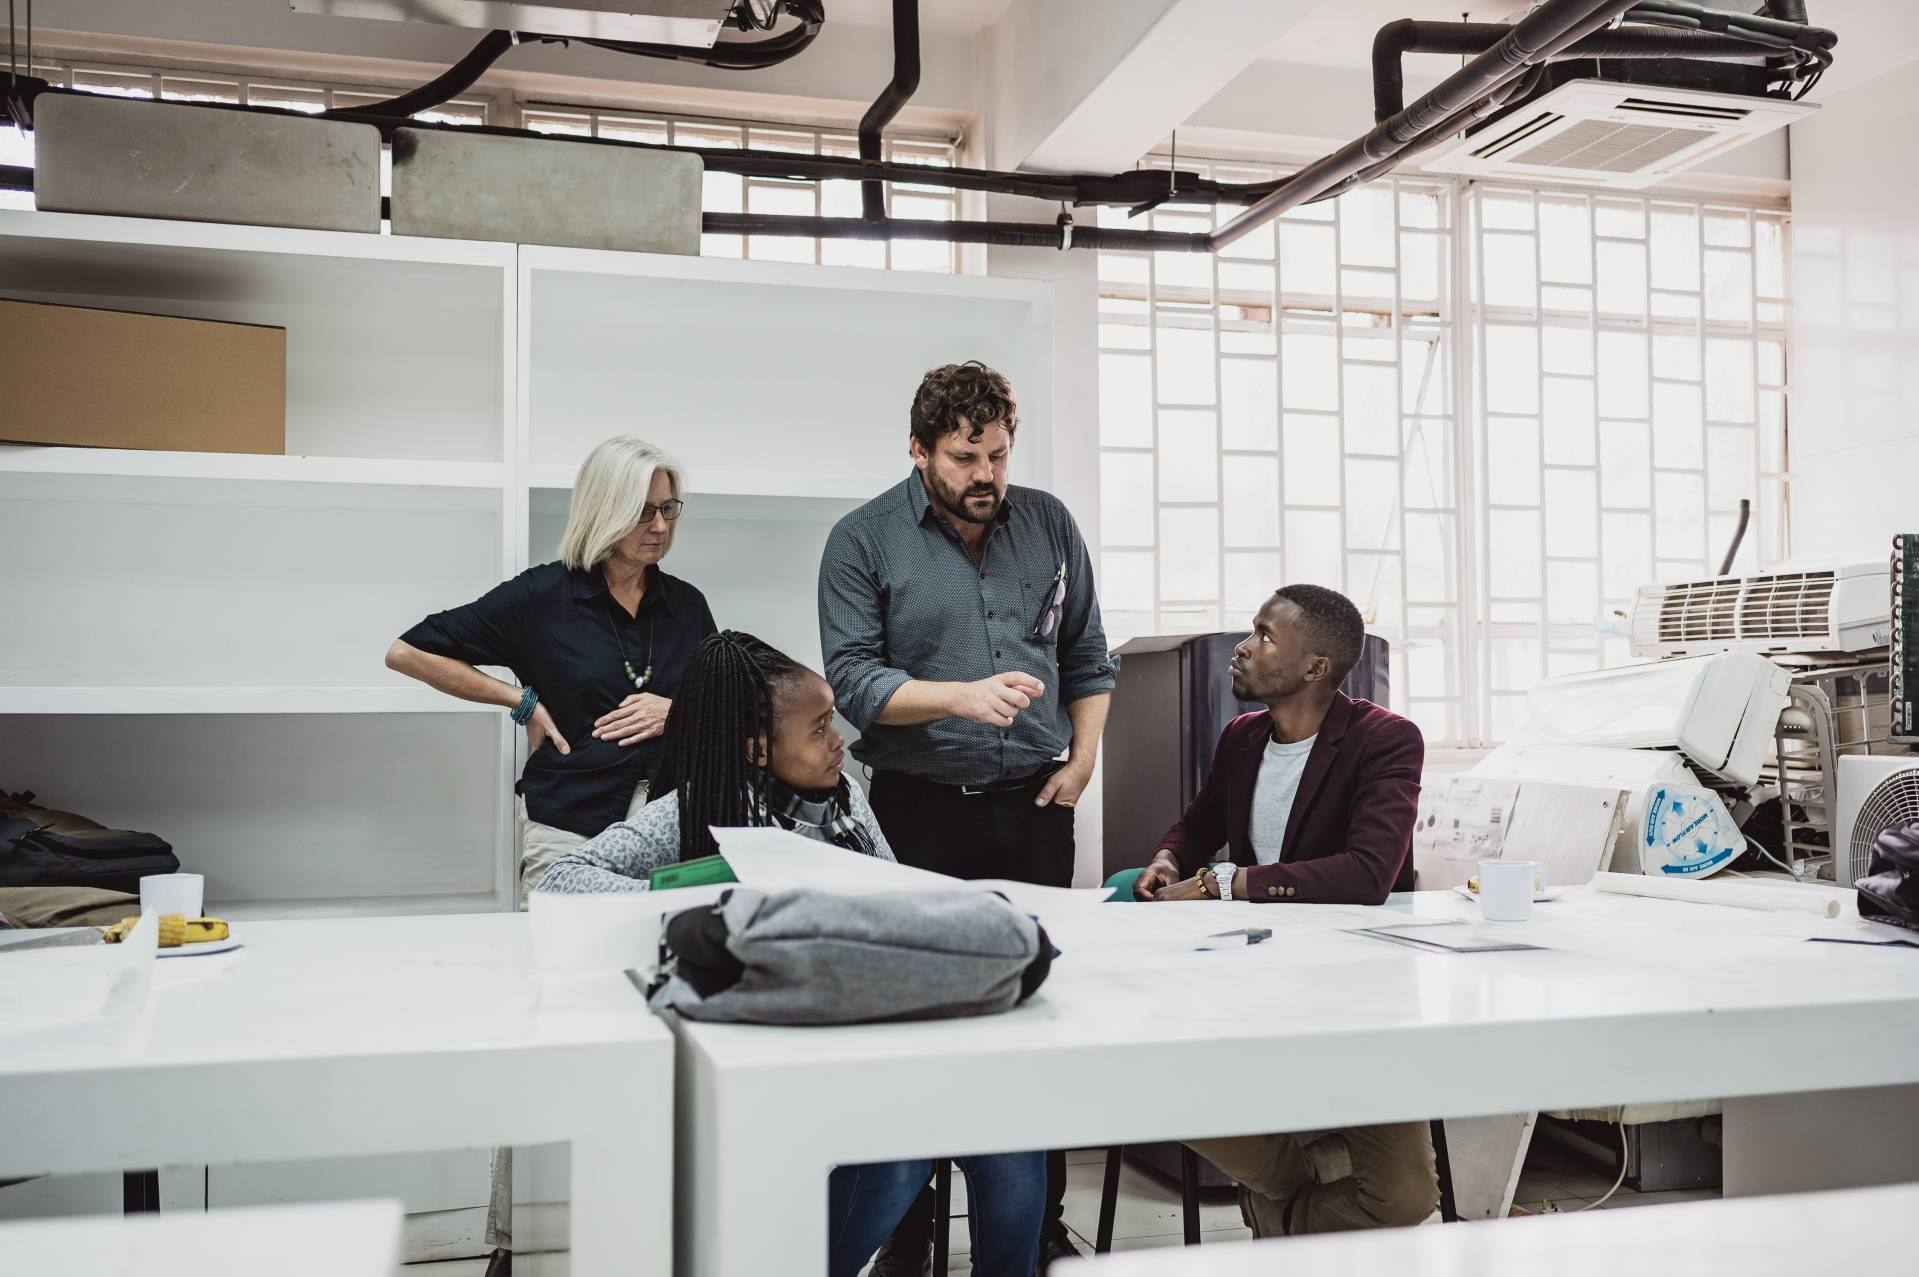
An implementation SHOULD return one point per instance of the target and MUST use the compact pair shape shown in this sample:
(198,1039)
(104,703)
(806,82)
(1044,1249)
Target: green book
(703,872)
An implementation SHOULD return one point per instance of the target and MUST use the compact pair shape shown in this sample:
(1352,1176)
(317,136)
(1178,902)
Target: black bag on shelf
(43,847)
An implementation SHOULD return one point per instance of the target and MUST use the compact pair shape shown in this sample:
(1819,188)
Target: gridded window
(1631,392)
(731,193)
(1284,412)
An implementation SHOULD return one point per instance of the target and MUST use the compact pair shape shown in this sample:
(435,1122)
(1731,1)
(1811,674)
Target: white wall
(1855,381)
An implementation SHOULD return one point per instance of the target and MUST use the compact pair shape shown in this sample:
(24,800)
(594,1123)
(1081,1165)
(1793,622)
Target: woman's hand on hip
(540,730)
(641,716)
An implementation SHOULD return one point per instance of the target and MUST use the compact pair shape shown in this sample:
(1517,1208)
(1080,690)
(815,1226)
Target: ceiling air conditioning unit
(1815,611)
(692,23)
(1876,792)
(1613,134)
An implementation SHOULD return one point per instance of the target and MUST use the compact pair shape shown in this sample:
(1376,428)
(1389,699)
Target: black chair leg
(1443,1163)
(1189,1192)
(942,1211)
(1108,1201)
(140,1192)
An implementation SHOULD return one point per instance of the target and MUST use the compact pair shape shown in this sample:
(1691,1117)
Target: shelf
(234,700)
(112,233)
(244,467)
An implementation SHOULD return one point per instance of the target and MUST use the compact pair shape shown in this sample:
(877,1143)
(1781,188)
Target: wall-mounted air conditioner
(1815,611)
(1613,134)
(1876,792)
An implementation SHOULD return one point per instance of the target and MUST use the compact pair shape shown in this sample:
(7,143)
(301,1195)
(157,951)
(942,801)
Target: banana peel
(175,930)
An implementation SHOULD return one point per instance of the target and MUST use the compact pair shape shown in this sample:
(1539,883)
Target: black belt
(1010,786)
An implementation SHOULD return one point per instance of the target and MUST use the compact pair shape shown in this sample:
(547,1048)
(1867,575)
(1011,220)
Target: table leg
(140,1191)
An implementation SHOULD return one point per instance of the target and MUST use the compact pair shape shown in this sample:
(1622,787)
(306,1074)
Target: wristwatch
(1223,879)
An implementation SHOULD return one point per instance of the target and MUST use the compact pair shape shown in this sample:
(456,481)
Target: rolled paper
(1736,895)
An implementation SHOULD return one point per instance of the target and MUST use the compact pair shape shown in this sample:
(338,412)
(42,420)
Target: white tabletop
(347,1038)
(1129,979)
(1629,1000)
(1861,1230)
(337,1239)
(311,990)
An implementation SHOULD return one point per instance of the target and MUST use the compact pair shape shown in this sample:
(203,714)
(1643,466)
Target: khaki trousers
(540,846)
(1393,1182)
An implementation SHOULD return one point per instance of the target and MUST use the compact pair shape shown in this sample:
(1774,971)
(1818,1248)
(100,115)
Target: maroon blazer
(1350,837)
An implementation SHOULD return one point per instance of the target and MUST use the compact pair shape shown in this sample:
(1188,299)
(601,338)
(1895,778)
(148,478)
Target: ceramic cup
(1506,889)
(173,893)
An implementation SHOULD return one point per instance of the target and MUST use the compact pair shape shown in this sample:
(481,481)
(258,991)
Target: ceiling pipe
(1536,37)
(904,84)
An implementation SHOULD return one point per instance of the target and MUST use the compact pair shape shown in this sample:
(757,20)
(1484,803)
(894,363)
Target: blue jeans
(1006,1195)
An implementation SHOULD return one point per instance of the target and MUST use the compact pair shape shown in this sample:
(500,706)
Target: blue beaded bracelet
(522,712)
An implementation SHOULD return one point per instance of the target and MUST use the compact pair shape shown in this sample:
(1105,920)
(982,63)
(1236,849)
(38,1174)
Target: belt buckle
(969,791)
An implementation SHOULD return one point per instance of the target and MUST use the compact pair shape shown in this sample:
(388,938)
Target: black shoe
(903,1259)
(1055,1243)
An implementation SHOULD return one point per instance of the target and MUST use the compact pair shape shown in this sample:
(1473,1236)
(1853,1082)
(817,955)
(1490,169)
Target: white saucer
(1540,896)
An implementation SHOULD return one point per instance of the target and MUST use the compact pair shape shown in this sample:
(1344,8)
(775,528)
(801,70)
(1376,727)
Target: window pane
(1512,460)
(1372,409)
(1188,455)
(1125,401)
(1512,368)
(1623,386)
(1305,260)
(1312,460)
(1125,581)
(1126,498)
(1511,276)
(1189,554)
(1572,513)
(1308,371)
(1312,548)
(1678,419)
(1565,241)
(1185,365)
(1567,424)
(1251,501)
(1249,403)
(1372,504)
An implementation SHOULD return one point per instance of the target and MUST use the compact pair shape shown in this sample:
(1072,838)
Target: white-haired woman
(598,642)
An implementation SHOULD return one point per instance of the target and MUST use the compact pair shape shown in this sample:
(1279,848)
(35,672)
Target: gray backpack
(811,957)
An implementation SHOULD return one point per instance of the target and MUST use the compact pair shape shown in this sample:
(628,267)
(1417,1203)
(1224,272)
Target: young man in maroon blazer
(1314,801)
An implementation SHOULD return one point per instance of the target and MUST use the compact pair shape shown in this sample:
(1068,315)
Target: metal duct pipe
(904,84)
(1062,234)
(1542,33)
(1787,10)
(1396,39)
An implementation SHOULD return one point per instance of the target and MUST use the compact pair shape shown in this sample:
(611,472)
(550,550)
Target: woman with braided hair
(750,742)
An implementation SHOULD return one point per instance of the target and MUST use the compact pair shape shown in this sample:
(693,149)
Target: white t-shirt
(1273,793)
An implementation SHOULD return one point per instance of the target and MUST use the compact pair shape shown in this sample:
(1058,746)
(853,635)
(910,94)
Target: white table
(1636,1000)
(1861,1230)
(333,1239)
(349,1037)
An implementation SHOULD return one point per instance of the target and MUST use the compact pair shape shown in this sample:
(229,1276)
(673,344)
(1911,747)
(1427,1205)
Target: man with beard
(962,637)
(1313,801)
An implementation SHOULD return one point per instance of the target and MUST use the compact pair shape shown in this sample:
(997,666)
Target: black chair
(1189,1191)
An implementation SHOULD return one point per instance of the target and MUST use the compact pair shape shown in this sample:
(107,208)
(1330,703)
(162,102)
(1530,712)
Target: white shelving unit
(201,656)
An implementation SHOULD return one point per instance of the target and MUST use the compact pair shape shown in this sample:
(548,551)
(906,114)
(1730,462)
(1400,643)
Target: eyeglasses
(668,510)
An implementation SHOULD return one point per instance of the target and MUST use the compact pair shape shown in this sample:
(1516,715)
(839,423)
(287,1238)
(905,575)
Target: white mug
(1506,889)
(173,893)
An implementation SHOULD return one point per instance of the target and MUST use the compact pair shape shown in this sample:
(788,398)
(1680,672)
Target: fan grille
(1603,146)
(1893,801)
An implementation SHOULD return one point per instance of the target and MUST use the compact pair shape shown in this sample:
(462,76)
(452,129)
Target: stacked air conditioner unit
(1815,615)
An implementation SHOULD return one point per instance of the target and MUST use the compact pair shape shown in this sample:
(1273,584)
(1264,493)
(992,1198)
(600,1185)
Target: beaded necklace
(640,680)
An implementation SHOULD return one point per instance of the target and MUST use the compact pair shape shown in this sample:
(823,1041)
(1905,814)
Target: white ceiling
(1339,33)
(963,17)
